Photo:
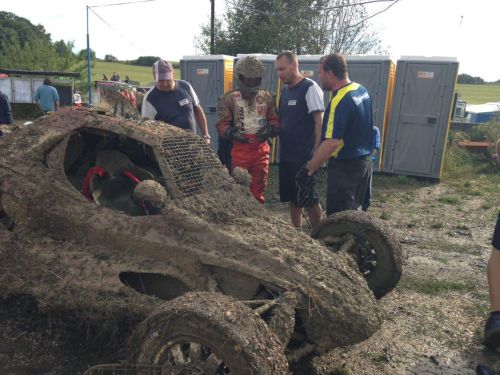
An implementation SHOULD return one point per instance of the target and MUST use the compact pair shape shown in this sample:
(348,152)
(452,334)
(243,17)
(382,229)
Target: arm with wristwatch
(202,123)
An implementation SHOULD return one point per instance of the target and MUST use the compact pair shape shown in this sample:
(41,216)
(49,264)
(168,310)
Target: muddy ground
(434,318)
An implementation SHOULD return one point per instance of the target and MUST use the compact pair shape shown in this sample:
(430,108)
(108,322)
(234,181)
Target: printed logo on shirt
(292,102)
(184,101)
(359,99)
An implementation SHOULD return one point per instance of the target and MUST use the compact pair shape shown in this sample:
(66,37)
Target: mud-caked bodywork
(62,247)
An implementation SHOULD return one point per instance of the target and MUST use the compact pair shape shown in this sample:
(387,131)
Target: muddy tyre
(375,248)
(207,333)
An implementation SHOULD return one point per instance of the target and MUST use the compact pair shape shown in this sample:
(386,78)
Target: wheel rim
(189,357)
(366,256)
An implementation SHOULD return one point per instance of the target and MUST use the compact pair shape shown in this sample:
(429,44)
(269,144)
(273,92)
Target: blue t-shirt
(175,107)
(296,107)
(46,96)
(348,118)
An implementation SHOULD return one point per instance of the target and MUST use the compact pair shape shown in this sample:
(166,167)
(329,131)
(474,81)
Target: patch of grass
(450,247)
(449,199)
(434,286)
(461,164)
(436,224)
(339,371)
(486,206)
(407,197)
(478,94)
(385,216)
(391,181)
(441,259)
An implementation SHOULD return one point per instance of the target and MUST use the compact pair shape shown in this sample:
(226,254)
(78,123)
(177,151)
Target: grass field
(142,74)
(474,94)
(478,94)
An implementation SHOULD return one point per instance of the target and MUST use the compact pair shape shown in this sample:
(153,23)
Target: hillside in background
(142,74)
(474,94)
(478,94)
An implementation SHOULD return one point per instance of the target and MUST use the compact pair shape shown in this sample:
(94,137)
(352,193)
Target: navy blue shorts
(496,235)
(288,187)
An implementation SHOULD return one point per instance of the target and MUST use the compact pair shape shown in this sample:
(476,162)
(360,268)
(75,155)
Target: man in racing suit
(247,117)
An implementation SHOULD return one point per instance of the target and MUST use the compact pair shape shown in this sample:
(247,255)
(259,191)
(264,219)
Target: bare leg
(494,279)
(296,215)
(314,215)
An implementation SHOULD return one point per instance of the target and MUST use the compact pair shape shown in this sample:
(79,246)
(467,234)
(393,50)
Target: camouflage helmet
(249,72)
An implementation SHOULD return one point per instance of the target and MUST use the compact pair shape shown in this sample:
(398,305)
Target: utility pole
(89,71)
(212,28)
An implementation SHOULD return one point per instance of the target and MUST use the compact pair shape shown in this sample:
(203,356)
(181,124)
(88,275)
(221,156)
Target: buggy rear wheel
(207,333)
(373,245)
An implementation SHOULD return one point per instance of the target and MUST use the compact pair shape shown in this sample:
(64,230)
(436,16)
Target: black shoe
(483,370)
(492,332)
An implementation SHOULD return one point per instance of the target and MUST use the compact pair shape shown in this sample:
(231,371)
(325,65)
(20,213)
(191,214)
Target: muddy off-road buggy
(101,214)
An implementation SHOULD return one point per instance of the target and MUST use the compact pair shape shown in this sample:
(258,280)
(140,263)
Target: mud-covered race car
(101,215)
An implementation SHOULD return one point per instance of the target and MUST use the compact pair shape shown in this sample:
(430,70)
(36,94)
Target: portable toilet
(211,76)
(270,82)
(376,74)
(416,137)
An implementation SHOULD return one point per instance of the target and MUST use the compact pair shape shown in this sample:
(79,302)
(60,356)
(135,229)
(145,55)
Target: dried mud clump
(152,192)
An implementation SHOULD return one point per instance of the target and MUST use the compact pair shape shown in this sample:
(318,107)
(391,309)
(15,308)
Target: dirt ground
(434,318)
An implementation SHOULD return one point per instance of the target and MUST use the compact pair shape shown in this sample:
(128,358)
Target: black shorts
(496,235)
(347,183)
(288,188)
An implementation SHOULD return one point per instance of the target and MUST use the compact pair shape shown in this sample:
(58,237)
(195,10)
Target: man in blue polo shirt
(301,108)
(47,97)
(174,101)
(347,136)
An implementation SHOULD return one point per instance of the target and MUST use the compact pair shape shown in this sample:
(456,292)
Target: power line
(285,13)
(112,28)
(375,14)
(113,4)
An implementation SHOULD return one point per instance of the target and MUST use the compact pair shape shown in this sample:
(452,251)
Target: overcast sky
(466,29)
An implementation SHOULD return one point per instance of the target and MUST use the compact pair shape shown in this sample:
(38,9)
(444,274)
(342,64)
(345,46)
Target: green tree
(304,26)
(82,55)
(468,79)
(146,60)
(26,46)
(64,50)
(110,58)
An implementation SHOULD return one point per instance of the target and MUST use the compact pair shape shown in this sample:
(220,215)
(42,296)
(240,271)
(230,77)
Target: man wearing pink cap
(174,101)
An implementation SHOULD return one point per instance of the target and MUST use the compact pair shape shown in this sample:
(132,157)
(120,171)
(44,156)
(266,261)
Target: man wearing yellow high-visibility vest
(347,136)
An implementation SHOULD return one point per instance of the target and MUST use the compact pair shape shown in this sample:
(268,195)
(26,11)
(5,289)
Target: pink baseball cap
(162,70)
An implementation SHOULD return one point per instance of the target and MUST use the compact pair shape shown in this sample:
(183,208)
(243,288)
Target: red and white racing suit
(250,115)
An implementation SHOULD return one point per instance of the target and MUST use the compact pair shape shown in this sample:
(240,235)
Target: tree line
(26,46)
(303,26)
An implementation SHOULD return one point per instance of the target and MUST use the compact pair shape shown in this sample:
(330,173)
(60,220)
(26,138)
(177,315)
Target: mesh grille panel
(194,167)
